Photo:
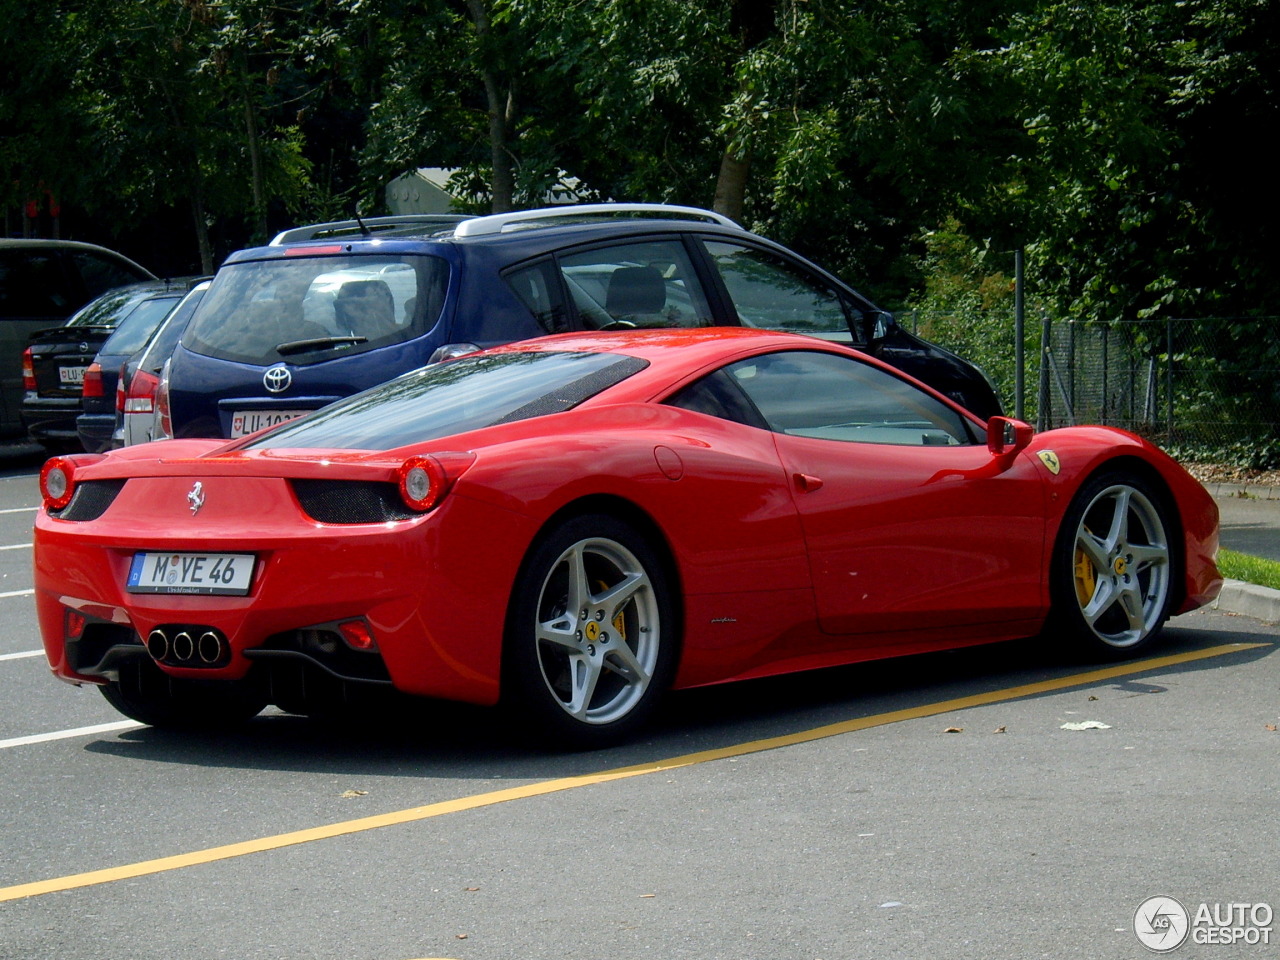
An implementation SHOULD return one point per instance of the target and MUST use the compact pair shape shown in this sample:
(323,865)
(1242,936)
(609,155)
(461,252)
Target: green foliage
(967,306)
(1116,140)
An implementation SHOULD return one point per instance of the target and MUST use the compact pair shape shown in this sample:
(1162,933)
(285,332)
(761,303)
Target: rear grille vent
(351,501)
(90,500)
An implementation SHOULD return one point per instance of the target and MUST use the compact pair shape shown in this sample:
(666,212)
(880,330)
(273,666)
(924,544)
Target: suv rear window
(469,393)
(309,309)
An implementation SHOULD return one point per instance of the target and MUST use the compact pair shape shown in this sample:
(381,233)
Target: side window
(811,394)
(772,294)
(538,289)
(650,284)
(718,395)
(100,274)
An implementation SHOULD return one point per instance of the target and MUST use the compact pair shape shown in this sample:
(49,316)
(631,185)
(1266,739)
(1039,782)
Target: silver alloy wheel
(598,631)
(1120,566)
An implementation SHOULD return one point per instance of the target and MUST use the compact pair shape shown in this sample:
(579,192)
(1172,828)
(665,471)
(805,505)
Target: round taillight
(422,483)
(57,483)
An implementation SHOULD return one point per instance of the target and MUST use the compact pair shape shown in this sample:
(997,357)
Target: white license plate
(71,375)
(245,422)
(222,573)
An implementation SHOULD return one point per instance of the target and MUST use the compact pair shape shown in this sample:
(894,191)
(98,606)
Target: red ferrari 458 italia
(573,525)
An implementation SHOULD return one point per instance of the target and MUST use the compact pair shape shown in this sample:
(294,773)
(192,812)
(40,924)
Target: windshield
(132,333)
(443,399)
(309,309)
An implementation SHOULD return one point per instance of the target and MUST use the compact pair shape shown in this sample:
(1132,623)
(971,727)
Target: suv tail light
(163,414)
(28,371)
(451,350)
(93,381)
(120,389)
(141,395)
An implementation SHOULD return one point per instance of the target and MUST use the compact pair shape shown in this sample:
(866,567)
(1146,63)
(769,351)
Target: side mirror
(1007,436)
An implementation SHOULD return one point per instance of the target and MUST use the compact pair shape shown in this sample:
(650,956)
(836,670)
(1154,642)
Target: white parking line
(17,593)
(21,656)
(20,510)
(15,546)
(68,734)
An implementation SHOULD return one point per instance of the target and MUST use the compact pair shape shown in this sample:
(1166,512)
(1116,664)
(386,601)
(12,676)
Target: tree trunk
(201,222)
(502,111)
(731,186)
(255,155)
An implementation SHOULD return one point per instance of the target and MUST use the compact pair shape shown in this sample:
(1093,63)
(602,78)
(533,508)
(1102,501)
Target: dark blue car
(328,310)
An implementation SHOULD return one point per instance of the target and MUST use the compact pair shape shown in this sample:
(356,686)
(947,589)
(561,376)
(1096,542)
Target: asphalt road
(818,817)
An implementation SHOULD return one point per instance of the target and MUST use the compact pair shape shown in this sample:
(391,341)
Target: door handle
(806,483)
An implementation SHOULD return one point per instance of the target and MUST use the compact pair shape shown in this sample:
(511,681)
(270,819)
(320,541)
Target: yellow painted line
(346,827)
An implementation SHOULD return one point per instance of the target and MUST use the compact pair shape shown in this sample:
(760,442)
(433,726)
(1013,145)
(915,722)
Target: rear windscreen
(309,309)
(134,330)
(443,399)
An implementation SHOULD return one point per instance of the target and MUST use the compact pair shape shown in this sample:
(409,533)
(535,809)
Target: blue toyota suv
(327,310)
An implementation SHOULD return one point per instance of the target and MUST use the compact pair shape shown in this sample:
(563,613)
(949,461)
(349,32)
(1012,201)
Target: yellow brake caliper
(619,622)
(1086,576)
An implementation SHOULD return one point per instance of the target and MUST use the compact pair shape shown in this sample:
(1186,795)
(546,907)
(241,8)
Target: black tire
(1115,567)
(148,695)
(590,676)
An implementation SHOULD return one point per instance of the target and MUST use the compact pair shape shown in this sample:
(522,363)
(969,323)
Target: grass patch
(1241,566)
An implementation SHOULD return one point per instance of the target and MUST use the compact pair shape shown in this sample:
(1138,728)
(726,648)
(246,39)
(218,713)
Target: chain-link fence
(1194,384)
(1205,387)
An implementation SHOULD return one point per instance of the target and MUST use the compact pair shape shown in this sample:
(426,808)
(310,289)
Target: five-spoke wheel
(591,635)
(1113,572)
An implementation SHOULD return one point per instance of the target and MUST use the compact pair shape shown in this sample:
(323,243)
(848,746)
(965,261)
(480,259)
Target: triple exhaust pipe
(187,646)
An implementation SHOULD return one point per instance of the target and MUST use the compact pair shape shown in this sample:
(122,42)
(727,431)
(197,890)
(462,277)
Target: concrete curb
(1244,491)
(1250,600)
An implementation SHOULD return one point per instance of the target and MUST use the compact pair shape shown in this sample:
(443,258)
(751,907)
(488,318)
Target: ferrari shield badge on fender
(1050,461)
(195,497)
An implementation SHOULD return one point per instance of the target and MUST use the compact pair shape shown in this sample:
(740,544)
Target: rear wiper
(317,343)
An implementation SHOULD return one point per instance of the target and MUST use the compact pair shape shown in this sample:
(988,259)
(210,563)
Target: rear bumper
(97,431)
(432,590)
(51,418)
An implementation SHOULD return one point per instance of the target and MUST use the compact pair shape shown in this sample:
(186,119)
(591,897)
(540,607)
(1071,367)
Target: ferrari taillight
(58,478)
(28,371)
(422,483)
(357,635)
(93,380)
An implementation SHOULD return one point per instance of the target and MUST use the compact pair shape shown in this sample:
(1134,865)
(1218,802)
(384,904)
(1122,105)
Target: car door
(910,522)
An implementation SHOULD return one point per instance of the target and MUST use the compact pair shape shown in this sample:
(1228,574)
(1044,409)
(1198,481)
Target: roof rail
(317,231)
(498,222)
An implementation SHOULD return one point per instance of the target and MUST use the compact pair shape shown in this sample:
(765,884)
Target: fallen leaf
(351,794)
(1087,725)
(1092,697)
(1271,727)
(472,889)
(460,936)
(647,896)
(999,729)
(954,730)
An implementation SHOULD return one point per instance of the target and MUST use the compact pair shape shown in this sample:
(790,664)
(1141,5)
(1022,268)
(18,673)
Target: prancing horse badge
(1050,460)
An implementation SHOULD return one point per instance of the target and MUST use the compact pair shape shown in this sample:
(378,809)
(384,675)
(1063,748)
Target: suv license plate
(245,422)
(228,574)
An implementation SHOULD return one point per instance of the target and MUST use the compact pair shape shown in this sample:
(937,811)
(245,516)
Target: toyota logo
(277,379)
